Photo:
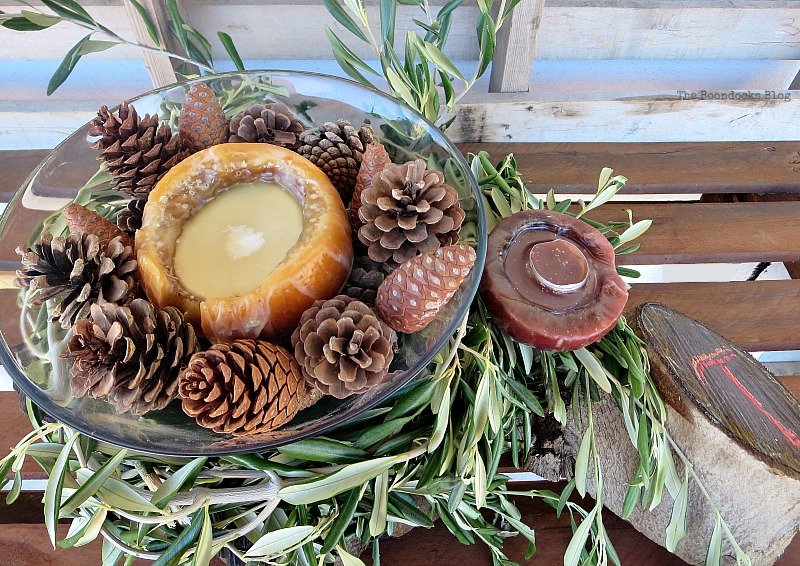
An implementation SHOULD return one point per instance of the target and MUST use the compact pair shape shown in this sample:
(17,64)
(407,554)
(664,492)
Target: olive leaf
(185,475)
(55,483)
(280,541)
(147,21)
(227,43)
(676,529)
(348,477)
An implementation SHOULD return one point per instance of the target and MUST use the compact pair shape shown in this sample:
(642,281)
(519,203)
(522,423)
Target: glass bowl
(30,349)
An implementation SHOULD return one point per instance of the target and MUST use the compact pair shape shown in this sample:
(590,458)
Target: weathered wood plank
(516,46)
(515,117)
(754,315)
(655,168)
(652,168)
(711,233)
(570,29)
(438,546)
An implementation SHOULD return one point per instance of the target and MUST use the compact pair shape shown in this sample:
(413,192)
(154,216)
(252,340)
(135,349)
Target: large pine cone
(79,271)
(337,149)
(137,151)
(409,210)
(202,122)
(343,347)
(130,355)
(245,387)
(410,298)
(267,123)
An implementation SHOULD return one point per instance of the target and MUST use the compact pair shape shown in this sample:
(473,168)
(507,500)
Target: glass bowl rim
(27,387)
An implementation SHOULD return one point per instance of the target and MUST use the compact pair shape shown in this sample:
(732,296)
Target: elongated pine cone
(81,219)
(129,218)
(77,271)
(343,347)
(131,356)
(136,151)
(409,210)
(364,280)
(245,387)
(267,123)
(374,161)
(410,298)
(337,149)
(202,122)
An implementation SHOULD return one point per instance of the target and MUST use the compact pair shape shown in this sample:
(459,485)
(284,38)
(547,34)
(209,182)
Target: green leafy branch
(422,75)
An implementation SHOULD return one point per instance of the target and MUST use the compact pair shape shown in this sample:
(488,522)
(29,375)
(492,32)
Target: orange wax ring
(550,281)
(314,268)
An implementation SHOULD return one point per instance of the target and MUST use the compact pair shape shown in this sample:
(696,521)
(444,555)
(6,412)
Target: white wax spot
(242,241)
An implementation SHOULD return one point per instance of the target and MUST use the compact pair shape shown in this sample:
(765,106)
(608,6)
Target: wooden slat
(158,66)
(516,46)
(16,165)
(652,168)
(656,168)
(755,315)
(711,233)
(438,546)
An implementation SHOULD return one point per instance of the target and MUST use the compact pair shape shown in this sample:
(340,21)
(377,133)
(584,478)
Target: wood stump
(738,426)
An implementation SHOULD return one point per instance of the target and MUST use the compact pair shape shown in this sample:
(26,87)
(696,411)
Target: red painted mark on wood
(719,358)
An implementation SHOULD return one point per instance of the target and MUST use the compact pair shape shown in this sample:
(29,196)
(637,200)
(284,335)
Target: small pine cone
(78,271)
(337,149)
(136,151)
(129,218)
(409,210)
(343,347)
(202,122)
(245,387)
(130,356)
(364,280)
(267,123)
(374,161)
(81,219)
(409,299)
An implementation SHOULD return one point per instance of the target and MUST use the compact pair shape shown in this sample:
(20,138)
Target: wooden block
(516,45)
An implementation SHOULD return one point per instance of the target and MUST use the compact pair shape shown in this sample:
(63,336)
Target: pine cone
(409,299)
(374,161)
(202,122)
(343,347)
(409,210)
(81,219)
(246,387)
(137,151)
(267,123)
(79,271)
(130,355)
(337,149)
(365,278)
(130,218)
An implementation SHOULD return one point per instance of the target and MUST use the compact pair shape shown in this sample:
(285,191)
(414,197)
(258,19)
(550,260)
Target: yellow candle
(236,239)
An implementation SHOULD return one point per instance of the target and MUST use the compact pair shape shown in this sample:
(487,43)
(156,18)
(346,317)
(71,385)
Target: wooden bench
(756,315)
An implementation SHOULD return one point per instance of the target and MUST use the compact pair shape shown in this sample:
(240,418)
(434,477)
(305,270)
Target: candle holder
(31,349)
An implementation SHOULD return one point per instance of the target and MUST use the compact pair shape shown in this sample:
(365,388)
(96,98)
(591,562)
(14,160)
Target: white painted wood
(570,29)
(159,66)
(516,46)
(640,119)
